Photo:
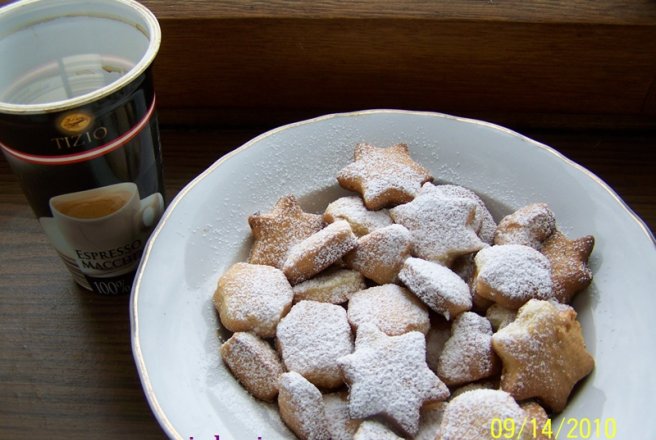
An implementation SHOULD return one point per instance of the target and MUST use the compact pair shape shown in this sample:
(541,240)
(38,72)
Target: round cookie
(469,416)
(391,308)
(252,297)
(311,338)
(511,274)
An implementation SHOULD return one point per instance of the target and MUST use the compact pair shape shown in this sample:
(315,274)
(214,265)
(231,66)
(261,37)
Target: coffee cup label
(93,178)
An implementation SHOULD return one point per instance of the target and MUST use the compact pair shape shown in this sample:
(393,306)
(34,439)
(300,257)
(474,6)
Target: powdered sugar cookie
(388,376)
(254,363)
(352,209)
(569,264)
(311,338)
(528,226)
(276,232)
(302,408)
(372,430)
(467,355)
(437,286)
(543,353)
(253,297)
(340,424)
(380,254)
(511,274)
(383,176)
(391,308)
(483,222)
(333,286)
(441,227)
(470,415)
(318,251)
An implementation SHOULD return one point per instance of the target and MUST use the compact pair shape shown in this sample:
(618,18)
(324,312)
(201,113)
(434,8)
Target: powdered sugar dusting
(467,355)
(252,297)
(512,274)
(311,338)
(388,376)
(441,227)
(352,209)
(302,408)
(469,416)
(437,286)
(391,308)
(380,254)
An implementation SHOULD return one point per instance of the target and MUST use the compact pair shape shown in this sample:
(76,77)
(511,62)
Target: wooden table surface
(66,366)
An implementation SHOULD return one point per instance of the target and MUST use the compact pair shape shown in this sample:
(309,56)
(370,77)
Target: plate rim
(137,353)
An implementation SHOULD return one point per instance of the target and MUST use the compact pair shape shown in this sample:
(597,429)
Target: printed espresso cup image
(103,231)
(78,127)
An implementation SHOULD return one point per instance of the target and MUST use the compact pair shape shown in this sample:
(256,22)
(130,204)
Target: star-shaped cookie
(388,376)
(383,176)
(276,232)
(569,264)
(543,353)
(441,227)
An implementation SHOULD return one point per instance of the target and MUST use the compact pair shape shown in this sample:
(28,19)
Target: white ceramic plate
(175,331)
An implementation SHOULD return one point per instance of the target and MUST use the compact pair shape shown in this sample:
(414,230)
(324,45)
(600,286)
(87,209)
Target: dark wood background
(577,75)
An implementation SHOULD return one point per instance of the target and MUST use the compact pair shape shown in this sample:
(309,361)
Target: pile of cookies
(405,310)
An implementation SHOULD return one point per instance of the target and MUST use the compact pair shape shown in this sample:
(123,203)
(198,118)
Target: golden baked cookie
(333,286)
(528,226)
(276,232)
(380,254)
(467,355)
(442,228)
(569,264)
(437,286)
(301,407)
(319,251)
(254,363)
(391,308)
(311,338)
(511,274)
(430,421)
(383,176)
(438,334)
(470,415)
(361,219)
(388,376)
(543,353)
(252,297)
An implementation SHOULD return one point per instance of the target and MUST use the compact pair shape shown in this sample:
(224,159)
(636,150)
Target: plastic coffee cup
(78,127)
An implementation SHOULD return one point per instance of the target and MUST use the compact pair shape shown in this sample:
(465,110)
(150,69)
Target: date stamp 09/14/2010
(534,429)
(565,429)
